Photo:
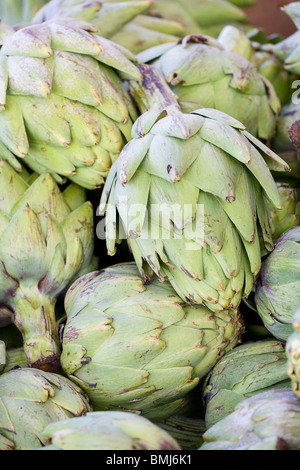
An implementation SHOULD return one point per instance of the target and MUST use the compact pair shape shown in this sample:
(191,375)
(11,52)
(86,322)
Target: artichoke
(282,140)
(19,11)
(249,369)
(288,216)
(64,110)
(185,221)
(267,421)
(289,49)
(197,16)
(108,430)
(31,399)
(268,65)
(200,70)
(293,354)
(137,347)
(277,295)
(187,431)
(286,140)
(46,242)
(2,356)
(122,23)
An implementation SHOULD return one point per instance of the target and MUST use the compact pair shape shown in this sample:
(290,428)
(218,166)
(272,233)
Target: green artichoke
(108,430)
(289,49)
(19,11)
(46,242)
(249,369)
(199,69)
(122,22)
(288,216)
(293,354)
(277,294)
(268,65)
(197,16)
(267,421)
(137,347)
(31,399)
(191,192)
(284,141)
(64,110)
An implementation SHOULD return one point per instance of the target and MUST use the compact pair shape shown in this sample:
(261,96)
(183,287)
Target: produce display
(149,227)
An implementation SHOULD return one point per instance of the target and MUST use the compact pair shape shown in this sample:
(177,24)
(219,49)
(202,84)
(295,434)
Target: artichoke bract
(47,239)
(202,16)
(108,430)
(293,354)
(137,347)
(122,22)
(277,295)
(282,140)
(199,69)
(267,421)
(288,216)
(286,142)
(19,11)
(191,192)
(289,49)
(262,56)
(31,399)
(64,109)
(249,369)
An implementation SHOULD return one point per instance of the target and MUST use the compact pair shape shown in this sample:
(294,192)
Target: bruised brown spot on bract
(47,364)
(294,133)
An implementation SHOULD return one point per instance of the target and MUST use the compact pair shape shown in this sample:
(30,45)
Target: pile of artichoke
(149,227)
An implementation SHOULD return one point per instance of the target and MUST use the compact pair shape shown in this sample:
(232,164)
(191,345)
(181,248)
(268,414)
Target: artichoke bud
(41,398)
(266,421)
(200,69)
(106,430)
(276,294)
(202,216)
(155,369)
(288,49)
(44,246)
(288,216)
(65,108)
(246,371)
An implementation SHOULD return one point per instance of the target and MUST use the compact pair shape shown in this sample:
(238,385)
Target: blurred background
(267,14)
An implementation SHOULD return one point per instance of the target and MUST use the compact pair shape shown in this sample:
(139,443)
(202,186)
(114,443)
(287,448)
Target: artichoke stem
(153,92)
(35,318)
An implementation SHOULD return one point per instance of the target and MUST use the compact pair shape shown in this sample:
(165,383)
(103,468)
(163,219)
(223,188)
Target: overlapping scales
(64,109)
(178,164)
(47,239)
(137,346)
(200,70)
(125,23)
